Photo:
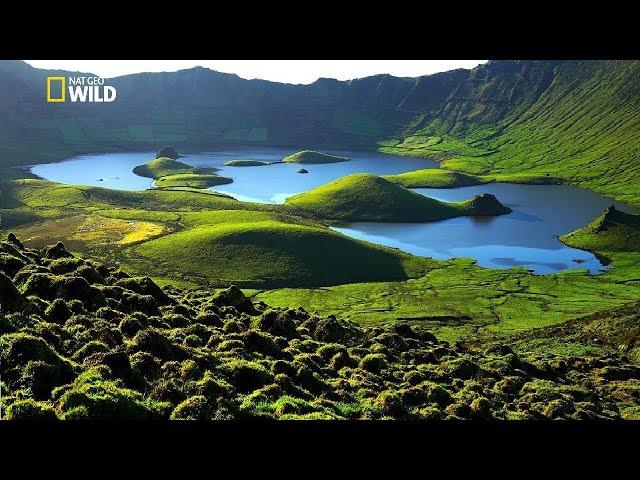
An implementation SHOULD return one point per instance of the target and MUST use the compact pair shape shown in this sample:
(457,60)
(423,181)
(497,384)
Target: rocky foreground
(80,339)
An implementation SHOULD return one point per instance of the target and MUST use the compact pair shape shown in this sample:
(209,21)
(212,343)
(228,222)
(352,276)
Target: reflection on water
(526,237)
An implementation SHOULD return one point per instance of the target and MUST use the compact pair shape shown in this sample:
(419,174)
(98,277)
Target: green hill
(309,156)
(162,167)
(192,180)
(433,178)
(246,163)
(265,250)
(366,197)
(169,173)
(613,231)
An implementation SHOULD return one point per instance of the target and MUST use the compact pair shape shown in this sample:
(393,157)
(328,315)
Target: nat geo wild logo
(79,89)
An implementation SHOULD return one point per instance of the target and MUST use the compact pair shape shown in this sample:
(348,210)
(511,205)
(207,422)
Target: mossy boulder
(57,251)
(280,324)
(64,265)
(31,410)
(152,342)
(247,376)
(10,298)
(390,404)
(104,399)
(233,297)
(460,368)
(133,302)
(10,265)
(145,286)
(374,362)
(94,346)
(58,312)
(193,408)
(29,362)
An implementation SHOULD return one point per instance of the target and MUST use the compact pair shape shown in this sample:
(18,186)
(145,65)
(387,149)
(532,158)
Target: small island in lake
(170,173)
(310,156)
(246,163)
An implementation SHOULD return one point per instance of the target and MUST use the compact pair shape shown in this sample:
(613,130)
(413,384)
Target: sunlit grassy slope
(366,197)
(577,121)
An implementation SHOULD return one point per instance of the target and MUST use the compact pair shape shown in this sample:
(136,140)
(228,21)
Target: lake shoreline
(273,183)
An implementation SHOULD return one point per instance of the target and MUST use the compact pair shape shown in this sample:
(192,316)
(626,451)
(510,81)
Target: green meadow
(287,256)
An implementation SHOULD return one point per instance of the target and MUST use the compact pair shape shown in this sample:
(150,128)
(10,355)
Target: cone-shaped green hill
(612,231)
(365,197)
(266,250)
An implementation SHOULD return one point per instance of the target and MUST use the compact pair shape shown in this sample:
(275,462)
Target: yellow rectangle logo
(62,81)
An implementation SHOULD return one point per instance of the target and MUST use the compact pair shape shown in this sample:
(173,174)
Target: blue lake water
(526,237)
